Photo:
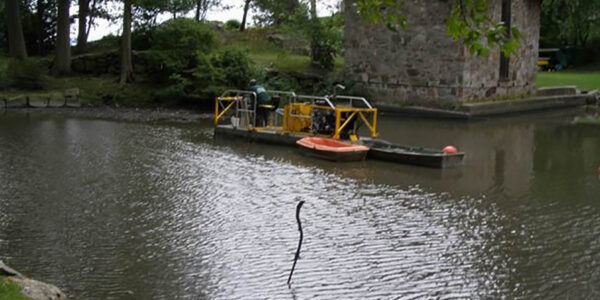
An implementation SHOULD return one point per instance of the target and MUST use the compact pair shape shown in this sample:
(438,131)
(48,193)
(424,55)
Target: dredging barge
(294,117)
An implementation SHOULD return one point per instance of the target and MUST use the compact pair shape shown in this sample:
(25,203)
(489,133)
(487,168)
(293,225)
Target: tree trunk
(91,14)
(40,11)
(246,8)
(84,9)
(62,61)
(198,4)
(313,9)
(126,60)
(16,41)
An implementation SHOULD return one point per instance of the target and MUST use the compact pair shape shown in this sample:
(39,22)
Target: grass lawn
(266,54)
(586,80)
(10,291)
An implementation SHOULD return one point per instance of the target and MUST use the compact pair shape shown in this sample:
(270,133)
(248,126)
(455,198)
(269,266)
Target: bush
(184,34)
(141,38)
(161,65)
(174,91)
(235,64)
(227,69)
(326,41)
(233,24)
(26,74)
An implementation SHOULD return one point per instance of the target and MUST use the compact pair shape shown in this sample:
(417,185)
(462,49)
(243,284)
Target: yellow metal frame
(362,113)
(372,125)
(220,113)
(359,113)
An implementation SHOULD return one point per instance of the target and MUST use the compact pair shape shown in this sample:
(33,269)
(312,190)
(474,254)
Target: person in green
(264,103)
(261,93)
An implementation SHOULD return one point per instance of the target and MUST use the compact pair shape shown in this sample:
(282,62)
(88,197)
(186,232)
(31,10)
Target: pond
(124,210)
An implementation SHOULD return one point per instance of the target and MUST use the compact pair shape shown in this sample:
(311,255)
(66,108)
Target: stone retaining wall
(423,66)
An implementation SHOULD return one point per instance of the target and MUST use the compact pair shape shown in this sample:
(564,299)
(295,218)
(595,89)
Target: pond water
(122,210)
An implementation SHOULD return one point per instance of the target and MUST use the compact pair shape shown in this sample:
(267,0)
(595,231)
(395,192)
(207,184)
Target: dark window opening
(506,20)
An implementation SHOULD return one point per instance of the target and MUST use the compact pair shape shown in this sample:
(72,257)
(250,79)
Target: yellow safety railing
(371,124)
(220,113)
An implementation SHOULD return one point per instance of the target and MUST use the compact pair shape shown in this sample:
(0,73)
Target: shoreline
(145,115)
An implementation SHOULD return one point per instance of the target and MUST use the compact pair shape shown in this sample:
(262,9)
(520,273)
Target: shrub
(174,92)
(25,74)
(233,24)
(161,65)
(224,70)
(235,64)
(184,34)
(141,37)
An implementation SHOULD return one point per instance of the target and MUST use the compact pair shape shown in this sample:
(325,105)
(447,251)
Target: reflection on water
(110,210)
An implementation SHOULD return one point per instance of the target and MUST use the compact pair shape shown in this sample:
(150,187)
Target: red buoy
(450,149)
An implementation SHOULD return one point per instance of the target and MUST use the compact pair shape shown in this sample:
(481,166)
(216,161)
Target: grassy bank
(586,80)
(266,54)
(10,291)
(97,90)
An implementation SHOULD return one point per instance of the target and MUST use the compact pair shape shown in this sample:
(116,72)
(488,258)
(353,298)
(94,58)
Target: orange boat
(332,149)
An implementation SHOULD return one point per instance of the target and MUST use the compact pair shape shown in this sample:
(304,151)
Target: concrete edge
(423,112)
(478,111)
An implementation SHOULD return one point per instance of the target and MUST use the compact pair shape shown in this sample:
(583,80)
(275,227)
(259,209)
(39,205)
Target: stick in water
(299,242)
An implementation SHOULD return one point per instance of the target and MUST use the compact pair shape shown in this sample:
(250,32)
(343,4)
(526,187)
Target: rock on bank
(33,289)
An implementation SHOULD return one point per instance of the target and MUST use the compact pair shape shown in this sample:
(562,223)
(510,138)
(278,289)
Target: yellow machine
(338,117)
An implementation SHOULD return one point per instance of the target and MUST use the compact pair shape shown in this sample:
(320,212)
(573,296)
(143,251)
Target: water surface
(121,210)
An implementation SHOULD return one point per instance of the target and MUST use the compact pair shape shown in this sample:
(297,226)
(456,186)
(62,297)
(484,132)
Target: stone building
(422,65)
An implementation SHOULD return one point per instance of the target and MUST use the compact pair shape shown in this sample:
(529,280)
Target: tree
(16,41)
(82,32)
(43,34)
(569,22)
(202,7)
(126,56)
(62,60)
(179,6)
(246,8)
(275,12)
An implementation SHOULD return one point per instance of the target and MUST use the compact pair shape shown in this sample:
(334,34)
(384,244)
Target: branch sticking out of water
(299,242)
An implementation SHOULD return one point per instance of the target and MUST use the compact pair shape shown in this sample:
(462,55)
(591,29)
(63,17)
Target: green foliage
(235,64)
(230,68)
(326,35)
(141,37)
(274,12)
(179,6)
(570,22)
(388,12)
(174,91)
(184,34)
(469,22)
(233,24)
(10,291)
(161,64)
(175,47)
(207,76)
(105,43)
(26,74)
(326,41)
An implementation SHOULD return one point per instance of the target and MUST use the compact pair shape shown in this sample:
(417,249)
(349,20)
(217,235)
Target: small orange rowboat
(331,149)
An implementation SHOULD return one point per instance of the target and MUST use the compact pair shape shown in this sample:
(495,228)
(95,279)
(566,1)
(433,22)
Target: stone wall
(108,62)
(482,74)
(423,66)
